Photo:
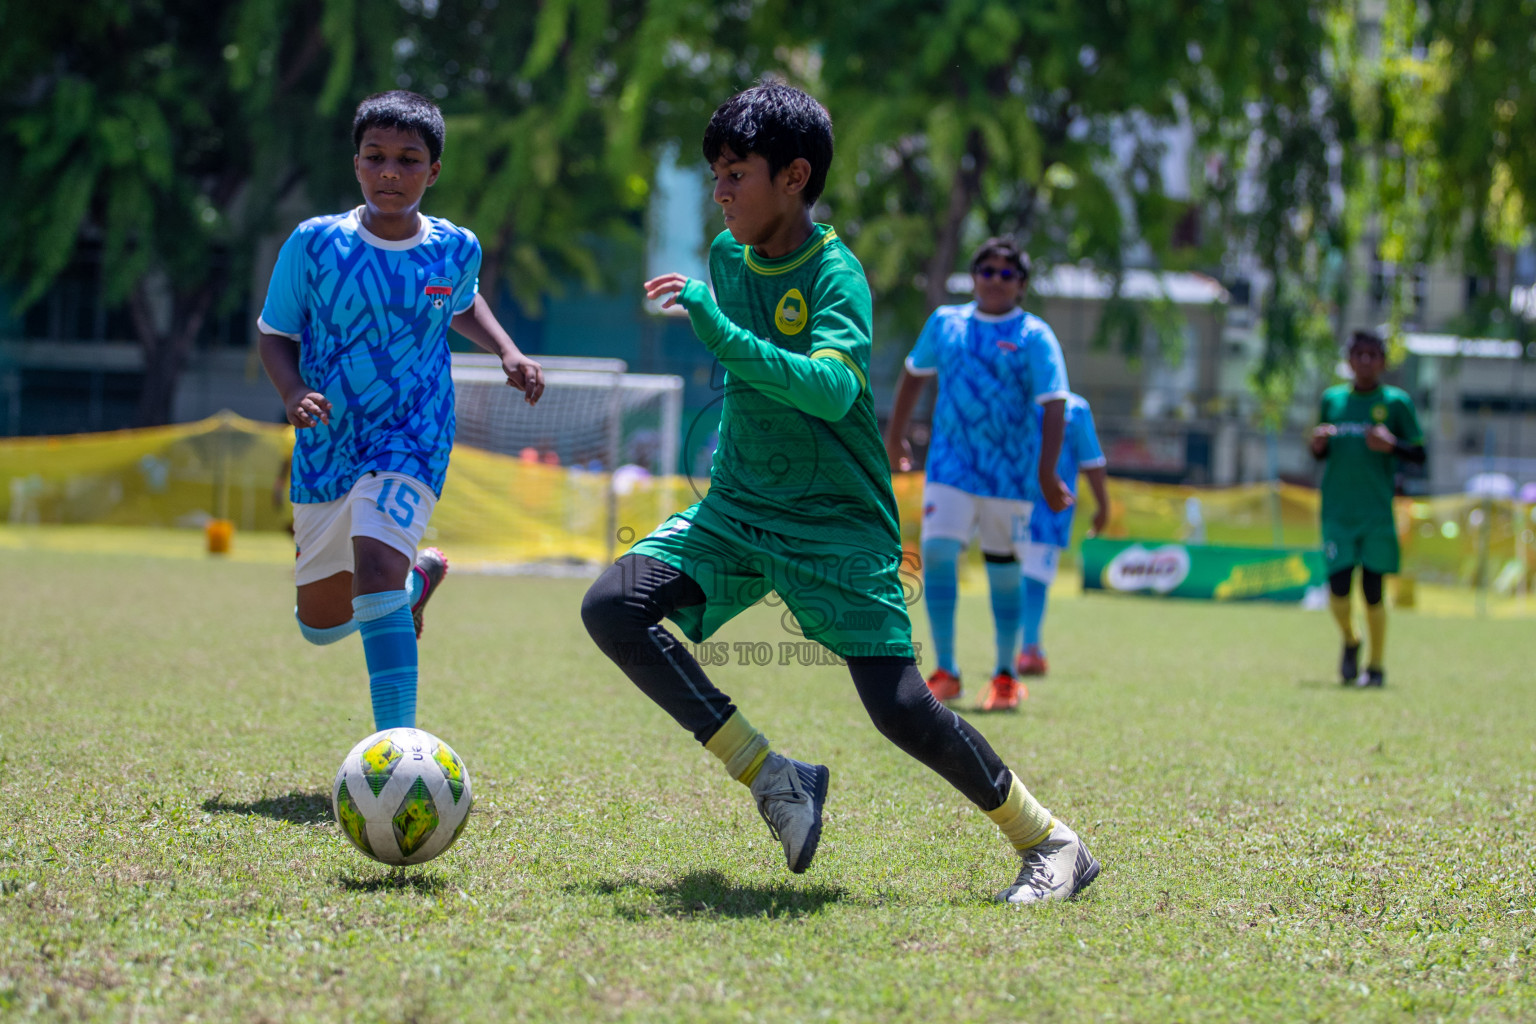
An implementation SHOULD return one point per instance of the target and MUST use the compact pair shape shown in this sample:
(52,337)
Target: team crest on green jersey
(1379,414)
(790,316)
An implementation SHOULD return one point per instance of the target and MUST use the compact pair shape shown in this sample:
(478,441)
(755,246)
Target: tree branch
(962,195)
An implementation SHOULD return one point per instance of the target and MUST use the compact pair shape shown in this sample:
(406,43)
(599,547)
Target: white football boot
(789,796)
(1057,868)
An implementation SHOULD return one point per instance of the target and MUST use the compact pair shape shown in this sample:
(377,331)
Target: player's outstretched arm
(824,388)
(1052,429)
(303,406)
(478,324)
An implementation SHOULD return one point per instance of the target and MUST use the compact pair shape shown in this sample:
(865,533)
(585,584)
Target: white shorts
(953,514)
(1041,562)
(390,507)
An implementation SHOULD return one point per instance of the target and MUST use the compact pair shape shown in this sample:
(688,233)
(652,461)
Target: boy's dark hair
(1001,248)
(404,111)
(1367,338)
(780,124)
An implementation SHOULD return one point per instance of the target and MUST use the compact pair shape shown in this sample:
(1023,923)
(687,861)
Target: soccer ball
(402,796)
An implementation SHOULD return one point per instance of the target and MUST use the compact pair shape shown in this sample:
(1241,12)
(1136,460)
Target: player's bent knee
(608,610)
(897,700)
(1338,583)
(1370,586)
(907,722)
(602,610)
(378,566)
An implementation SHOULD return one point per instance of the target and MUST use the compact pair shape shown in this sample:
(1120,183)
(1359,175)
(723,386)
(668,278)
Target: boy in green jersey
(1363,430)
(799,502)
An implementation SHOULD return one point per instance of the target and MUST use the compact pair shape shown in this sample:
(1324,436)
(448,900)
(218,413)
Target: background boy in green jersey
(799,502)
(1363,430)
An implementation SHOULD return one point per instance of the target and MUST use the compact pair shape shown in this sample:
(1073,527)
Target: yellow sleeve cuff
(845,359)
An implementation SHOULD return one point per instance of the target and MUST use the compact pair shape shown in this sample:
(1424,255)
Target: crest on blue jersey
(438,289)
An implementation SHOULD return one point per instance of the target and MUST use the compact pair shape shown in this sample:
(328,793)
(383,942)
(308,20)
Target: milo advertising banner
(1211,572)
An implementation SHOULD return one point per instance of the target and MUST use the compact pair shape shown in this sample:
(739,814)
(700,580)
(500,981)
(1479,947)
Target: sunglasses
(1002,273)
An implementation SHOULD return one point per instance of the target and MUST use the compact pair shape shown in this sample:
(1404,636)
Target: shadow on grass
(299,808)
(1325,684)
(395,881)
(711,894)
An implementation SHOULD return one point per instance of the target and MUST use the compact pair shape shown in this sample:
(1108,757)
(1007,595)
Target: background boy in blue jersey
(354,335)
(1051,532)
(995,364)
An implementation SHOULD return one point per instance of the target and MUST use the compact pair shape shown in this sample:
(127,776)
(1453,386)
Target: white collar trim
(997,318)
(421,235)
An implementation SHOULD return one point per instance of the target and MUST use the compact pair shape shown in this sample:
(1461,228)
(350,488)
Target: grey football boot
(1057,868)
(789,796)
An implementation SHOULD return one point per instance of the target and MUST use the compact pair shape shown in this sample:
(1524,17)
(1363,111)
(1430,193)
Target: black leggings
(623,611)
(1370,584)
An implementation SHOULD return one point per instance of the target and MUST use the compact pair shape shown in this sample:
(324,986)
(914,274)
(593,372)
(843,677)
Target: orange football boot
(1031,663)
(944,684)
(1004,694)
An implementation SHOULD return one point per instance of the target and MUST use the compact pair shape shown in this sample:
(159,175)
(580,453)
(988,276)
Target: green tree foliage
(531,93)
(1050,122)
(162,132)
(1448,111)
(556,112)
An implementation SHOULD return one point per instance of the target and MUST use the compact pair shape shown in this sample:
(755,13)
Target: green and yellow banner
(1207,571)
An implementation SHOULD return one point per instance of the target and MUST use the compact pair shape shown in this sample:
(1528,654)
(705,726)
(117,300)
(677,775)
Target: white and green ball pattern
(402,796)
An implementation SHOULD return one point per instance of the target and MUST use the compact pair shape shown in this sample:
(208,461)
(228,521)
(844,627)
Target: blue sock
(1003,579)
(1034,612)
(389,644)
(321,637)
(941,588)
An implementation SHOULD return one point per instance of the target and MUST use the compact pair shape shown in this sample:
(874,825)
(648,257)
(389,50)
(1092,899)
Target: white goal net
(594,415)
(594,418)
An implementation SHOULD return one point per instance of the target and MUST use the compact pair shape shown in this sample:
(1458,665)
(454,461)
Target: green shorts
(1374,547)
(849,600)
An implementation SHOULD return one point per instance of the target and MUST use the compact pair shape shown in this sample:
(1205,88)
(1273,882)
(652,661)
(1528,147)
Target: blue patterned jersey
(1079,450)
(371,318)
(993,373)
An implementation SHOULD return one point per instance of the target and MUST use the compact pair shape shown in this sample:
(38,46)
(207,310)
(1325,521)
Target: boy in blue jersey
(996,365)
(1051,532)
(354,335)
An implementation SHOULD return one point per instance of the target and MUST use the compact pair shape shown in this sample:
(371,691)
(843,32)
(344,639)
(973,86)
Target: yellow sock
(1343,614)
(1021,817)
(1376,626)
(741,748)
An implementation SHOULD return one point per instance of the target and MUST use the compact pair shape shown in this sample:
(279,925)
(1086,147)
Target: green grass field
(1274,847)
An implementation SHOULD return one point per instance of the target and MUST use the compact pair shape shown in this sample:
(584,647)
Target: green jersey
(1357,482)
(789,461)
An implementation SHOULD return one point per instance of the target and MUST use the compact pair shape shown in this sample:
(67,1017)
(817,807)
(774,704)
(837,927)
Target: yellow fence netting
(498,509)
